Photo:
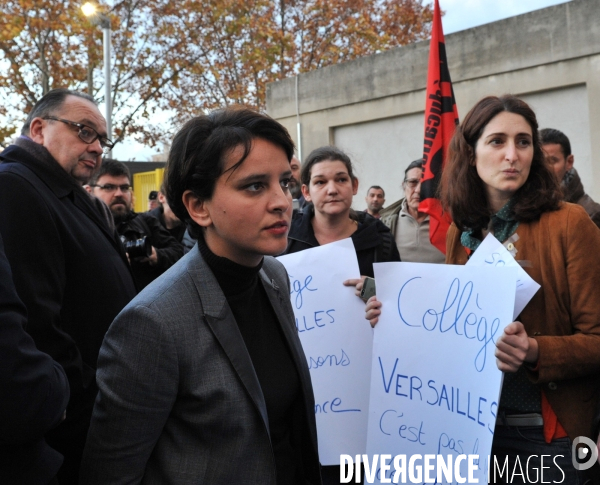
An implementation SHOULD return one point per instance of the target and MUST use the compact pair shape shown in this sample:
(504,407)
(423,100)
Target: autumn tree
(49,43)
(32,56)
(251,43)
(172,59)
(324,32)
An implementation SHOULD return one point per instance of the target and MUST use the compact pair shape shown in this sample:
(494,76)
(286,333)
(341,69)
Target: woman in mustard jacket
(497,180)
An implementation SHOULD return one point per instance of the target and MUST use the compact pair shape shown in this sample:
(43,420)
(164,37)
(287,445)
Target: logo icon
(584,454)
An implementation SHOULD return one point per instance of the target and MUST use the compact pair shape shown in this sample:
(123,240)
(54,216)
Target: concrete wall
(373,107)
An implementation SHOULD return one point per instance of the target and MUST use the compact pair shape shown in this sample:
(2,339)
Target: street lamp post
(90,10)
(105,23)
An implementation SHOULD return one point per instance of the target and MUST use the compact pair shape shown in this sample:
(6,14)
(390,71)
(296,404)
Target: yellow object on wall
(143,184)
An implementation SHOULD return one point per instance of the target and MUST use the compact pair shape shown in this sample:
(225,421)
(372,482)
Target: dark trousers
(331,475)
(521,455)
(68,438)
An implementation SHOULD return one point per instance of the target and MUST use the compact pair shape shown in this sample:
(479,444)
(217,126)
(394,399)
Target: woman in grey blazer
(202,377)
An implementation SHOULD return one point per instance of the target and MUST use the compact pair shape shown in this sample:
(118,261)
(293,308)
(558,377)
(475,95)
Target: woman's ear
(354,186)
(306,193)
(197,208)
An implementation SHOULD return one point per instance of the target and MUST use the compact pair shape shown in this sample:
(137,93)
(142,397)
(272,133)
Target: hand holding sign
(514,347)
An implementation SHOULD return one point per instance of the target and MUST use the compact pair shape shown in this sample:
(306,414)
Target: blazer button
(552,386)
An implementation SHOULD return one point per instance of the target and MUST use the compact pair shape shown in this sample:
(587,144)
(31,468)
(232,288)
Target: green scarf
(503,226)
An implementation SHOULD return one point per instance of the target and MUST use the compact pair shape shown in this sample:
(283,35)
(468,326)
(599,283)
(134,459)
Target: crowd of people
(161,347)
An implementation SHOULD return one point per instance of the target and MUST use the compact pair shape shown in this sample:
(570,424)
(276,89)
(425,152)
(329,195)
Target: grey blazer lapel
(219,318)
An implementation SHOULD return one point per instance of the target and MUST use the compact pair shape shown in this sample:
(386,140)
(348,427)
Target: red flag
(441,118)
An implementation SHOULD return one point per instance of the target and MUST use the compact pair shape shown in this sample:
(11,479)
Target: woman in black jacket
(328,184)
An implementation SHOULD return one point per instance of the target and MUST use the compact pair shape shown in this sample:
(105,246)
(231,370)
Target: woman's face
(503,156)
(330,188)
(249,213)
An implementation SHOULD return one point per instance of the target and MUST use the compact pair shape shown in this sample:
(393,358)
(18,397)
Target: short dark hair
(376,187)
(551,135)
(324,154)
(414,164)
(111,167)
(199,150)
(51,102)
(462,191)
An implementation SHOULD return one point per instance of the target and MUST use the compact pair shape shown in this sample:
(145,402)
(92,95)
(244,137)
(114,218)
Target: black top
(372,240)
(270,356)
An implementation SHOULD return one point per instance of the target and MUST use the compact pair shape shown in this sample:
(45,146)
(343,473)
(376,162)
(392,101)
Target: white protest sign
(491,252)
(337,341)
(434,382)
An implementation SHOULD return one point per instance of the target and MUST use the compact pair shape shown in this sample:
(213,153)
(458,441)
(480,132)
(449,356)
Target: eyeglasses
(412,183)
(113,187)
(86,133)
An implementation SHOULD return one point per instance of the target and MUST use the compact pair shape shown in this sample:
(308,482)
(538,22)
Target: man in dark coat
(151,249)
(33,394)
(68,265)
